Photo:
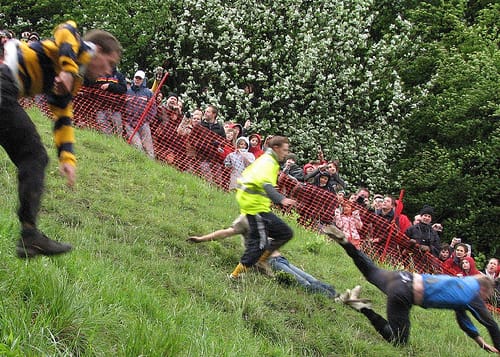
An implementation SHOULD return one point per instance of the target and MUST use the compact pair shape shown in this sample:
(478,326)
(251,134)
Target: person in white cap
(137,99)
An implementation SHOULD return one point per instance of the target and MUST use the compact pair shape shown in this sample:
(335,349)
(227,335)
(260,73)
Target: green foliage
(451,158)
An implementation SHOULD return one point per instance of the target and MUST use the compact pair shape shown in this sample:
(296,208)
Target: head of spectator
(340,196)
(461,250)
(24,36)
(255,145)
(210,114)
(238,128)
(291,158)
(196,117)
(138,80)
(322,180)
(468,266)
(444,253)
(159,98)
(347,208)
(308,168)
(231,135)
(426,214)
(388,204)
(492,267)
(242,144)
(377,201)
(362,197)
(333,167)
(172,101)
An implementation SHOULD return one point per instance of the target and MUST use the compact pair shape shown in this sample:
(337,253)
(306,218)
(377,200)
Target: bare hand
(288,202)
(424,248)
(193,240)
(480,341)
(69,171)
(105,86)
(63,83)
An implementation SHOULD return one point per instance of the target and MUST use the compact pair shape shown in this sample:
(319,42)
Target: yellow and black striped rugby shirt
(35,66)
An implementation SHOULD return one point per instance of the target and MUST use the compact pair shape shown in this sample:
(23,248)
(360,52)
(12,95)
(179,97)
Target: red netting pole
(393,223)
(148,107)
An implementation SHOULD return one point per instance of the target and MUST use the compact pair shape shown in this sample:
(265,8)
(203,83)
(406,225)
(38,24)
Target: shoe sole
(335,233)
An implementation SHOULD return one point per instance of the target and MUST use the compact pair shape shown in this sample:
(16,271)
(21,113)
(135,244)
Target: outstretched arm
(220,234)
(479,310)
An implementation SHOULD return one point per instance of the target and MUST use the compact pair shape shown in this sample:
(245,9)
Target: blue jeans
(308,281)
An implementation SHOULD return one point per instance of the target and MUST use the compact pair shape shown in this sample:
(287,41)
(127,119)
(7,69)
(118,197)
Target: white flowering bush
(318,77)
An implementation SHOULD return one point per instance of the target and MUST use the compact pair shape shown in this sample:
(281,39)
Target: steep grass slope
(134,287)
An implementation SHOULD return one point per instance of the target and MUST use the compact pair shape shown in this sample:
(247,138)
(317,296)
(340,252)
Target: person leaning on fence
(109,116)
(422,235)
(54,67)
(256,190)
(405,289)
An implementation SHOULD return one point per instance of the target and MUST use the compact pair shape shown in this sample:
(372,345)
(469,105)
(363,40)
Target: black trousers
(398,286)
(267,232)
(19,138)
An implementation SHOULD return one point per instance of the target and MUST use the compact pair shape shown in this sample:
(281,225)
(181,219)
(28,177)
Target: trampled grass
(134,287)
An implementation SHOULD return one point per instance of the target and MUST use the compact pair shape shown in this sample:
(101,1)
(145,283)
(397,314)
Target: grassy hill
(134,287)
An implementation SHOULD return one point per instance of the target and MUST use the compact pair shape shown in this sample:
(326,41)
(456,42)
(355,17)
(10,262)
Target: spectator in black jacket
(210,121)
(292,169)
(423,235)
(108,115)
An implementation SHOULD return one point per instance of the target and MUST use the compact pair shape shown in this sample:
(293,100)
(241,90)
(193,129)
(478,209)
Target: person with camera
(452,265)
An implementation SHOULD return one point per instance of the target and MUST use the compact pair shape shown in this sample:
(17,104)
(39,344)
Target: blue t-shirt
(449,292)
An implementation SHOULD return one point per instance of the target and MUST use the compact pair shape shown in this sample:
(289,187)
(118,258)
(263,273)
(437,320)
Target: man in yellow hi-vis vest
(256,190)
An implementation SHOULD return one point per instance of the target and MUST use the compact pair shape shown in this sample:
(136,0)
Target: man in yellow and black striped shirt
(56,68)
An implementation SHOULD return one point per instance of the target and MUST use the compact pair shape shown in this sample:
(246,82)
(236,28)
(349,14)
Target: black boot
(33,242)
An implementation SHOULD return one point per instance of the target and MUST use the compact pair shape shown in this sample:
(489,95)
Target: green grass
(134,287)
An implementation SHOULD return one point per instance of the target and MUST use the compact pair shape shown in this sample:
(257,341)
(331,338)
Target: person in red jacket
(255,145)
(453,264)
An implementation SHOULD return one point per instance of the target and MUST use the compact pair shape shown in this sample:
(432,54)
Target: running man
(255,192)
(56,68)
(405,289)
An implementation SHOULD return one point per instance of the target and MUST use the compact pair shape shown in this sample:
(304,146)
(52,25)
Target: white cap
(140,74)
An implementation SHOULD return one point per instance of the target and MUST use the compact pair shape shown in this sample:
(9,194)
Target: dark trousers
(19,138)
(398,286)
(267,232)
